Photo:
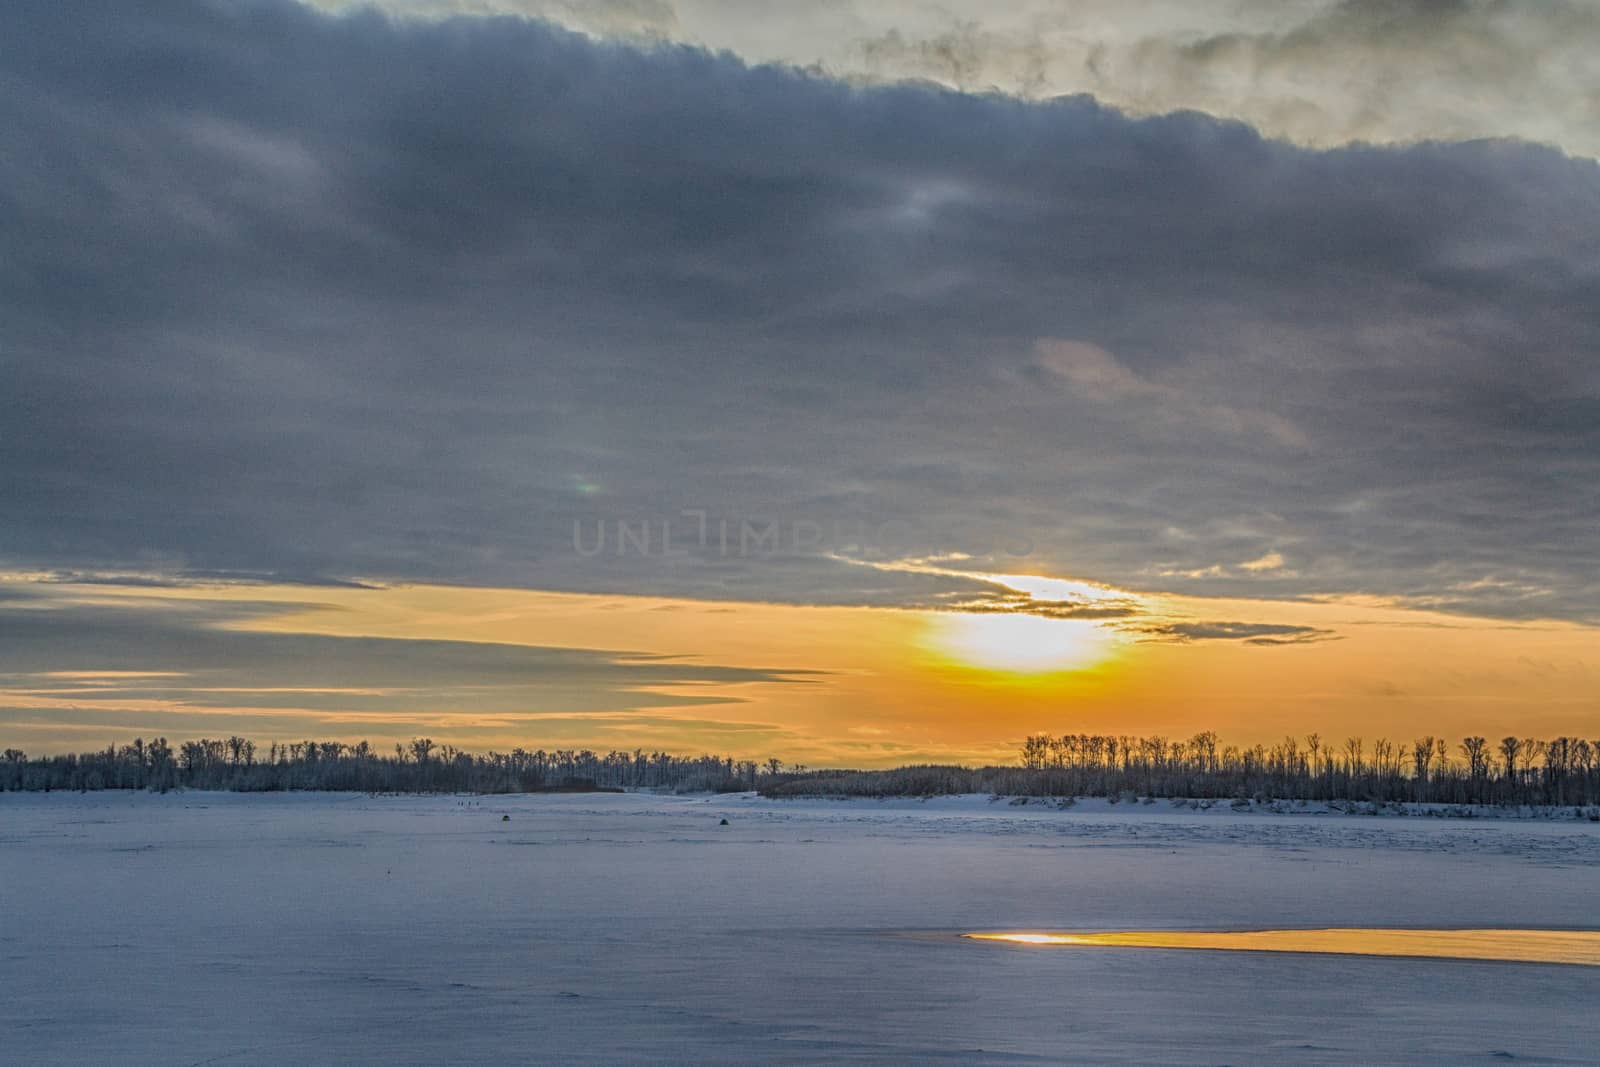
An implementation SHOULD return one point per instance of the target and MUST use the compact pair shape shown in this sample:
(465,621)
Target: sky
(850,383)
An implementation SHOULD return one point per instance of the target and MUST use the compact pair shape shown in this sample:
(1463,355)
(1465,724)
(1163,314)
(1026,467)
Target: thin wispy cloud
(135,660)
(1249,633)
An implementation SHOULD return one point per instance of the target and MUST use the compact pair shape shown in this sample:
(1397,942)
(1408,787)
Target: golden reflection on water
(1522,946)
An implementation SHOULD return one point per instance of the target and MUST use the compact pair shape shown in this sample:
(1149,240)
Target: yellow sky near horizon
(890,685)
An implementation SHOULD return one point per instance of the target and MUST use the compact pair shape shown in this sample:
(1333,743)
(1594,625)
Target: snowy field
(320,928)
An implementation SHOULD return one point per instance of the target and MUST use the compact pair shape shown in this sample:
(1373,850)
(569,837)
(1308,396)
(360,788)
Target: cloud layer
(1320,72)
(344,297)
(192,666)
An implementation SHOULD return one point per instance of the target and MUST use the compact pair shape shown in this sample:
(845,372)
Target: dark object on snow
(724,822)
(505,818)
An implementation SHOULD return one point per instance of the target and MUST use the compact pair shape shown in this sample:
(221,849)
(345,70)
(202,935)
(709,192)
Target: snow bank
(323,928)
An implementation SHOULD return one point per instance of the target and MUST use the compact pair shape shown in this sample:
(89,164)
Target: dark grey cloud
(335,298)
(1022,604)
(189,579)
(1250,633)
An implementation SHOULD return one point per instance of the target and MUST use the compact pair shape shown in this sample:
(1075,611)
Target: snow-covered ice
(232,929)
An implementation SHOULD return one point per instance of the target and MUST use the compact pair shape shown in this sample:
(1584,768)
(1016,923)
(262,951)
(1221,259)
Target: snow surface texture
(321,928)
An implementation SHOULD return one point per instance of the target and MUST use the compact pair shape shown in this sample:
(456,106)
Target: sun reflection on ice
(1580,947)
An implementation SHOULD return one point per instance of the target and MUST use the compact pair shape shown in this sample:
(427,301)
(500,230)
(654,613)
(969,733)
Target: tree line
(1511,771)
(422,766)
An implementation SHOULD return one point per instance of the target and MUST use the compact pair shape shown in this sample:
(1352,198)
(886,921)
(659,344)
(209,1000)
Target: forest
(239,764)
(1511,771)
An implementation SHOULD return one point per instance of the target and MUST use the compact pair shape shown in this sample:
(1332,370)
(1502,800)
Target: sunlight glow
(1020,643)
(1032,939)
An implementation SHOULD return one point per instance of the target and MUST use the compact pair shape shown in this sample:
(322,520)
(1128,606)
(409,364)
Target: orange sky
(890,685)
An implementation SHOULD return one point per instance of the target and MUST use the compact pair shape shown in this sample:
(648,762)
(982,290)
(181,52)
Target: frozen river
(218,928)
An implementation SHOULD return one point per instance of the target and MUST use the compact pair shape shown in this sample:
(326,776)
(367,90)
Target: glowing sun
(1020,644)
